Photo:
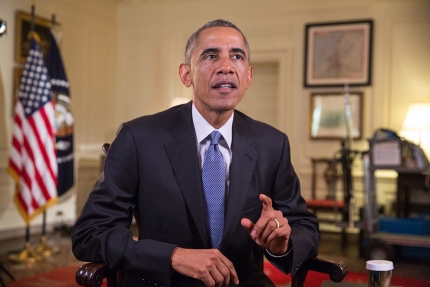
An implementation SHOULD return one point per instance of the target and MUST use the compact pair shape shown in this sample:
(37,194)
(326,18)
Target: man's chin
(224,107)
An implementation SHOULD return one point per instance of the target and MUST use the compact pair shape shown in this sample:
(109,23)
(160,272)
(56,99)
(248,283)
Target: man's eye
(238,57)
(210,56)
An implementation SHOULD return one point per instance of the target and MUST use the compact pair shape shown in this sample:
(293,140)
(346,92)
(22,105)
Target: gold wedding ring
(277,222)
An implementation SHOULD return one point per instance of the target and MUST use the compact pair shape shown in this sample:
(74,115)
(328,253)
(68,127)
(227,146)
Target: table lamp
(416,126)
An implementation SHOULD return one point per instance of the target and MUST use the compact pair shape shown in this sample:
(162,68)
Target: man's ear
(185,75)
(249,78)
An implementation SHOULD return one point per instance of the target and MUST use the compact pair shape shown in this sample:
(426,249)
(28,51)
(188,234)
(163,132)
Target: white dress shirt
(203,130)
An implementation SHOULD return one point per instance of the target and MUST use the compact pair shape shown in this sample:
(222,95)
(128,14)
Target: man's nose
(225,66)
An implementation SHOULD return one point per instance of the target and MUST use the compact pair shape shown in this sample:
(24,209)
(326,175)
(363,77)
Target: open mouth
(224,85)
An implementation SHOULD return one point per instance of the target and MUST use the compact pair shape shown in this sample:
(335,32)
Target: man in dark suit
(156,168)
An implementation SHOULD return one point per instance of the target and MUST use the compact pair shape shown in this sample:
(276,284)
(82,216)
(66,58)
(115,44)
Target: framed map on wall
(338,53)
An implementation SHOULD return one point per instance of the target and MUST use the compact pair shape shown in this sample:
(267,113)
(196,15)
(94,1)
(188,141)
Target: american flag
(32,160)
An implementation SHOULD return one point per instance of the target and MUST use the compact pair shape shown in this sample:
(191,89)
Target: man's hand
(207,265)
(266,232)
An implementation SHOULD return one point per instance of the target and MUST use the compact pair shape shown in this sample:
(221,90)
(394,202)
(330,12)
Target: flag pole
(44,249)
(33,26)
(27,254)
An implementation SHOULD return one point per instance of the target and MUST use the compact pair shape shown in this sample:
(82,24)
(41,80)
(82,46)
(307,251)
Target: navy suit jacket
(152,169)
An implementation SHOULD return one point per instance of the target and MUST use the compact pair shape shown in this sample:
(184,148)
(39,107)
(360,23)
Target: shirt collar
(203,128)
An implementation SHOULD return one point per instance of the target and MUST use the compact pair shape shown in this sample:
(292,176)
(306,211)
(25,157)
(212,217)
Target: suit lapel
(182,153)
(241,170)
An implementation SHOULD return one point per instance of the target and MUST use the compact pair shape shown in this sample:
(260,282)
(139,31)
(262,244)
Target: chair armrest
(336,270)
(92,275)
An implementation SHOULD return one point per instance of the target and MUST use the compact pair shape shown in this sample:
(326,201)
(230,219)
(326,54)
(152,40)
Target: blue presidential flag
(63,118)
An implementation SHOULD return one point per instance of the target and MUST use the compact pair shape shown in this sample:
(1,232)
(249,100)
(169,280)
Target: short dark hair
(192,41)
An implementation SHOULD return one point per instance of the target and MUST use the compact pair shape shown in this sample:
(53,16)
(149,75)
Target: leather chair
(92,274)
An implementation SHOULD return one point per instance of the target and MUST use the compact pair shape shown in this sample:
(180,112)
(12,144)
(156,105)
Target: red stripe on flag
(16,144)
(27,179)
(34,203)
(37,176)
(18,120)
(30,160)
(13,166)
(22,203)
(50,130)
(42,147)
(42,186)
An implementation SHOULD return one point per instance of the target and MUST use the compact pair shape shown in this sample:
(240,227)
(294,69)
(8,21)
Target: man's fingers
(220,275)
(231,271)
(267,232)
(247,224)
(207,265)
(255,229)
(267,214)
(267,202)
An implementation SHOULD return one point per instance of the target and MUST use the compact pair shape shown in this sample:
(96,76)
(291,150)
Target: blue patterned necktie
(213,178)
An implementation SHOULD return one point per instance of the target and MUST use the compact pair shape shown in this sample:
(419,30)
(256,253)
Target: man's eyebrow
(238,50)
(210,50)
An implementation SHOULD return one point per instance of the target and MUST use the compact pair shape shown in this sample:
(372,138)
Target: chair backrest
(330,175)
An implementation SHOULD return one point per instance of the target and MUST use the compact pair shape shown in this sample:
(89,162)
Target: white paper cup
(379,272)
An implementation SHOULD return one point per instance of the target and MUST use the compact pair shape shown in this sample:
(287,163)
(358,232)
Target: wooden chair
(92,274)
(331,176)
(328,204)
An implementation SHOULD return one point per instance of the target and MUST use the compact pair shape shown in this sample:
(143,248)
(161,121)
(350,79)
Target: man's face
(219,71)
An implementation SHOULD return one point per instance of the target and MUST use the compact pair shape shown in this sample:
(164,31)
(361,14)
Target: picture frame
(328,115)
(23,26)
(338,53)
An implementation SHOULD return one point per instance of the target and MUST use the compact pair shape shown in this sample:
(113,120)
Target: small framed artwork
(23,26)
(338,53)
(333,114)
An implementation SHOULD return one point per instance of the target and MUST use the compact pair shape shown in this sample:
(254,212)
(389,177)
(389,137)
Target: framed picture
(338,53)
(329,115)
(22,43)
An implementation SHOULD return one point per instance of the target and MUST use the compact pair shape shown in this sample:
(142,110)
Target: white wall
(156,31)
(152,32)
(122,59)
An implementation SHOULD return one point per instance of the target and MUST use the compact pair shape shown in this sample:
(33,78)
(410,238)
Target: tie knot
(215,136)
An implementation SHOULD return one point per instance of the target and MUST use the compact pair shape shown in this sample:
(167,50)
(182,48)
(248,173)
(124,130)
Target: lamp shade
(418,117)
